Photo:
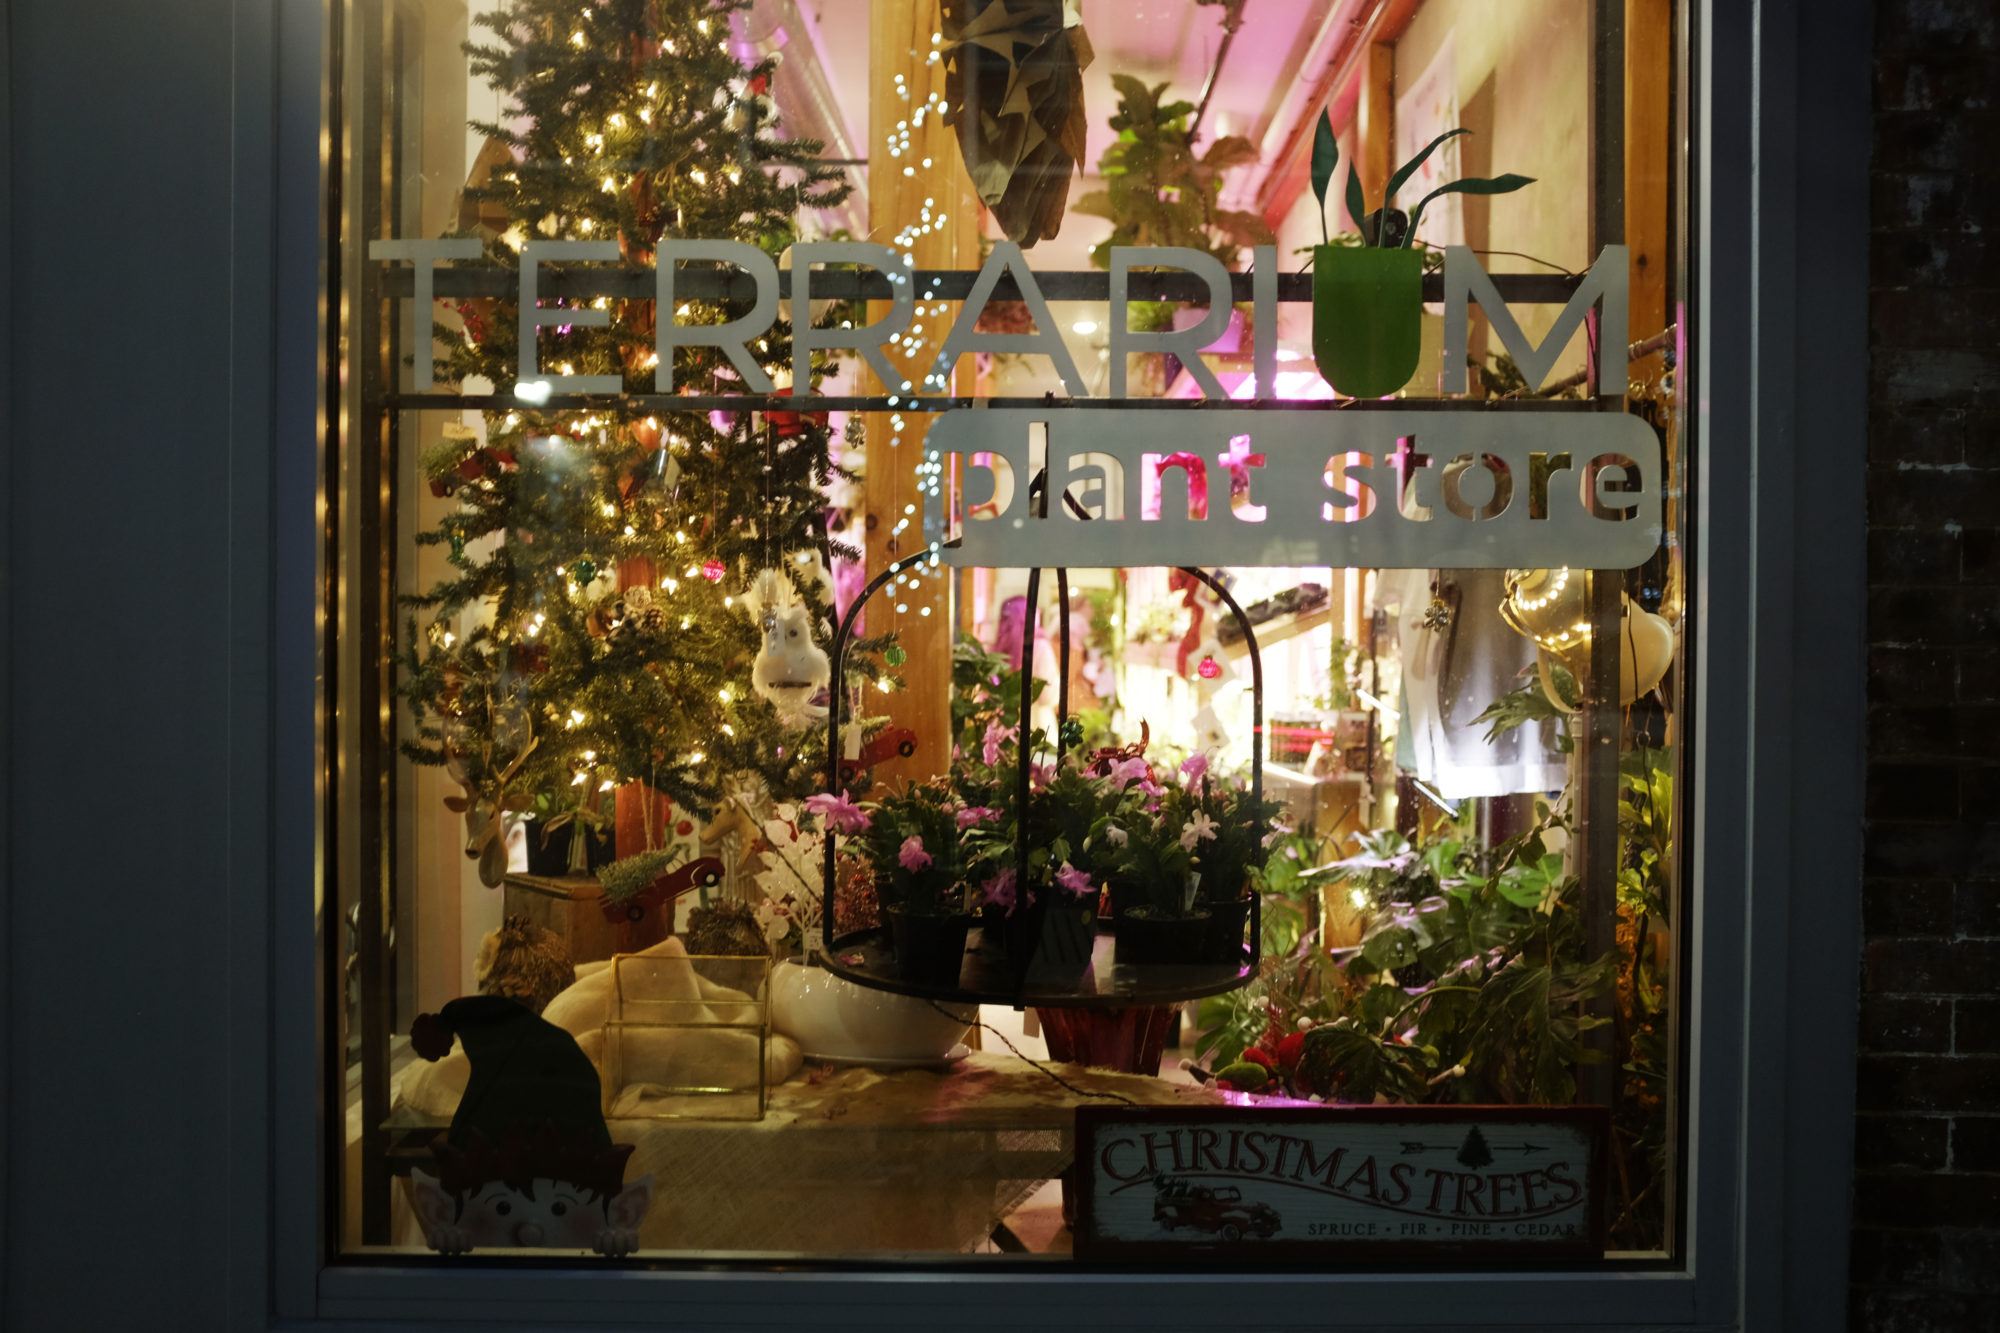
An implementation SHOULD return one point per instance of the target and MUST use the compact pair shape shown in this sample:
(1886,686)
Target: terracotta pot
(1145,938)
(1367,317)
(930,949)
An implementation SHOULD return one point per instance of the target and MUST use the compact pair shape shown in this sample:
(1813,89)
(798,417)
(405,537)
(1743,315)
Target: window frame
(1779,132)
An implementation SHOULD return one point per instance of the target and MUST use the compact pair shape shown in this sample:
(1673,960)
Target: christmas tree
(622,557)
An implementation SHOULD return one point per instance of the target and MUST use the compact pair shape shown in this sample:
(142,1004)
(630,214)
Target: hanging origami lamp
(1014,89)
(1552,607)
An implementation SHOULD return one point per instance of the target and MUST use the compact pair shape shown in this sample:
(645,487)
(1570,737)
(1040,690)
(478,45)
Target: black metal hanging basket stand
(1011,972)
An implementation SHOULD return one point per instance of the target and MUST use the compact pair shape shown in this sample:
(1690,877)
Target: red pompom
(430,1037)
(1257,1057)
(1290,1048)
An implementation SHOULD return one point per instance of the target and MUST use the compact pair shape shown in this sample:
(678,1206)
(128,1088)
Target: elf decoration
(527,1162)
(601,556)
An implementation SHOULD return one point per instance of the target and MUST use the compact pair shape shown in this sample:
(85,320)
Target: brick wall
(1926,1250)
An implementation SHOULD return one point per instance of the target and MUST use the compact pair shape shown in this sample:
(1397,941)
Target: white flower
(1201,826)
(1114,835)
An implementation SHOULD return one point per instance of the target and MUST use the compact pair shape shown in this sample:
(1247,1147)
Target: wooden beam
(1375,121)
(900,48)
(1649,74)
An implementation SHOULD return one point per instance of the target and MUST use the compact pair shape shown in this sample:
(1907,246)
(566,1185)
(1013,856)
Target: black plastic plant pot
(1222,941)
(1367,317)
(1147,937)
(993,930)
(1069,932)
(930,947)
(1125,895)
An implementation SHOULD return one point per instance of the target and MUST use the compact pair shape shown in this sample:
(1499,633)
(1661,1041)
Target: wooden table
(847,1160)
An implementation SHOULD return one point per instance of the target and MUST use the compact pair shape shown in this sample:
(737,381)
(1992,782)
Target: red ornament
(1209,668)
(713,570)
(788,424)
(685,827)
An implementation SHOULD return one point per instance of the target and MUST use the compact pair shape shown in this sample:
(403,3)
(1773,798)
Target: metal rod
(557,282)
(1232,19)
(836,706)
(645,404)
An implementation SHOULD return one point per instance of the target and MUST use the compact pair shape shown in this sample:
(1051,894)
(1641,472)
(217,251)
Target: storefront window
(1189,499)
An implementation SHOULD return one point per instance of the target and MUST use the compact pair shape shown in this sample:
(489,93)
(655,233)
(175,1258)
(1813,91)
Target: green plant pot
(1148,937)
(1069,933)
(1222,941)
(930,948)
(1367,317)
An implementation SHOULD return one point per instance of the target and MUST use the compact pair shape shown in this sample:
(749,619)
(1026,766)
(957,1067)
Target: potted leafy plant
(1368,299)
(911,839)
(1071,855)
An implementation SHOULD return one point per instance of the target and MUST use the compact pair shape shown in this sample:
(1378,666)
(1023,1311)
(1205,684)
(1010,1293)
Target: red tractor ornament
(702,873)
(886,743)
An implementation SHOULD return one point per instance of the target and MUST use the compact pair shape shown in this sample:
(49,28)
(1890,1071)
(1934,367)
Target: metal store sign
(1320,1183)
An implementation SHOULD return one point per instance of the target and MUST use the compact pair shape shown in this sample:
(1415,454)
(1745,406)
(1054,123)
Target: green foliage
(1531,704)
(1389,226)
(627,121)
(627,876)
(1157,192)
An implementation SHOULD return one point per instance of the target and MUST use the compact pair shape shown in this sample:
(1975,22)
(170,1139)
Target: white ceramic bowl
(832,1019)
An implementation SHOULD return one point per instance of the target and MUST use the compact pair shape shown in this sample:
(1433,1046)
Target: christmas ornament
(895,656)
(713,570)
(790,668)
(1209,668)
(1072,732)
(888,742)
(584,570)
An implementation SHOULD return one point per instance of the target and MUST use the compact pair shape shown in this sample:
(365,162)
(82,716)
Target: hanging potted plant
(911,840)
(1228,855)
(1368,298)
(1071,857)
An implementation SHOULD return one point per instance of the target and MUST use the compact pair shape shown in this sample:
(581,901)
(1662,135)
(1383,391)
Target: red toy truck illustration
(1217,1209)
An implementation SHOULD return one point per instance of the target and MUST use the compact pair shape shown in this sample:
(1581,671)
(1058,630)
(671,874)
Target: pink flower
(912,855)
(996,736)
(1192,832)
(1195,767)
(1076,881)
(975,814)
(999,891)
(1127,771)
(1041,775)
(841,814)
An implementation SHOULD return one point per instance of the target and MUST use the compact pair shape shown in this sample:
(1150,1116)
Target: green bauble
(895,656)
(583,571)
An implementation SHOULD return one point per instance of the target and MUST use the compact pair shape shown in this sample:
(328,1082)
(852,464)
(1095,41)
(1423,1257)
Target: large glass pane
(1340,546)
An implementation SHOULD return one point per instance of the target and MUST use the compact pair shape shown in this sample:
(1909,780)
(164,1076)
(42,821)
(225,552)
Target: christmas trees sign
(593,630)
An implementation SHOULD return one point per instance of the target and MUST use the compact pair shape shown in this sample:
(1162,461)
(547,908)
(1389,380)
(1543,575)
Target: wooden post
(1375,121)
(902,76)
(1649,72)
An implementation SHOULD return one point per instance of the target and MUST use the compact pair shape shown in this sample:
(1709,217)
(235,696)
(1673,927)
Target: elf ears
(437,1213)
(622,1217)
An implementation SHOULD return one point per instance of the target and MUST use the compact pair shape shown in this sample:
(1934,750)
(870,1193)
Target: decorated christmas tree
(649,586)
